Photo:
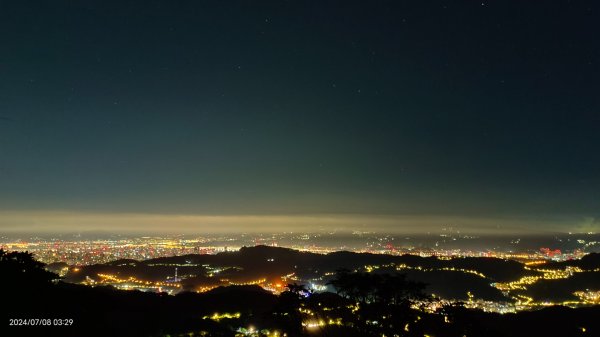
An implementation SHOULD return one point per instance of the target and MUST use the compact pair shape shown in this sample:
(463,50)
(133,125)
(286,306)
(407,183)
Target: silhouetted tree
(385,289)
(20,268)
(343,284)
(298,289)
(286,315)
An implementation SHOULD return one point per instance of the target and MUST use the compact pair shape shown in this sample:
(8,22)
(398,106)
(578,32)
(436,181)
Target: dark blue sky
(385,108)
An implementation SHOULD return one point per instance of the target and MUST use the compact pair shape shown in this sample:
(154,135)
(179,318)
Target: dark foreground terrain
(28,291)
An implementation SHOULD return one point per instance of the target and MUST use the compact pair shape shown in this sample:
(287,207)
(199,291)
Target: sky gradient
(473,113)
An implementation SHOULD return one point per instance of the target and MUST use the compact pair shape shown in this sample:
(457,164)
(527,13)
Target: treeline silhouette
(385,289)
(22,270)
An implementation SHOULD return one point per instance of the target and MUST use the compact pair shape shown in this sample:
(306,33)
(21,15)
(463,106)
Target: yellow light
(217,317)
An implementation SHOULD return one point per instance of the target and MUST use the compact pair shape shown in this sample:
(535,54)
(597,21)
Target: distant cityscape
(84,249)
(541,259)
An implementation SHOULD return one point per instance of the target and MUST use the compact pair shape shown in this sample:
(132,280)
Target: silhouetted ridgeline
(251,263)
(589,262)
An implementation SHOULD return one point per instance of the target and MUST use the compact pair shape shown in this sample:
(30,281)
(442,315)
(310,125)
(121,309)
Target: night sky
(251,115)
